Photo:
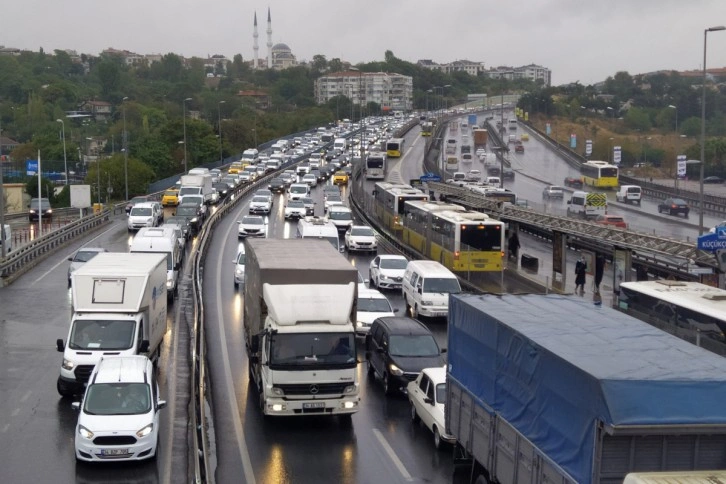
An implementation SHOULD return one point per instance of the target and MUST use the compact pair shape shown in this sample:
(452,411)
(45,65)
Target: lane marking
(392,454)
(65,259)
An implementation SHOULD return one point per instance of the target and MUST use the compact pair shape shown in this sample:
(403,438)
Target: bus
(460,239)
(388,203)
(692,311)
(599,174)
(427,128)
(395,147)
(376,166)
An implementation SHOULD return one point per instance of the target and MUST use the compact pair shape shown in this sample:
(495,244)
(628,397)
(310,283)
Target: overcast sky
(579,40)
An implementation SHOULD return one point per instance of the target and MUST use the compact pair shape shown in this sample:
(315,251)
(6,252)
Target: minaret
(269,39)
(256,46)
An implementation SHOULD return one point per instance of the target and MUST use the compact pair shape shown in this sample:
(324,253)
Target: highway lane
(381,446)
(37,429)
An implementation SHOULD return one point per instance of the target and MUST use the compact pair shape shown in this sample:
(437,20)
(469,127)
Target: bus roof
(467,217)
(433,206)
(694,296)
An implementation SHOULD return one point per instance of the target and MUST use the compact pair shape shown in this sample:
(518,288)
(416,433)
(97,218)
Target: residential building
(391,91)
(471,68)
(532,72)
(100,110)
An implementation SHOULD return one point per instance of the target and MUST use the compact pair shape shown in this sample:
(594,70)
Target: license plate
(314,405)
(114,451)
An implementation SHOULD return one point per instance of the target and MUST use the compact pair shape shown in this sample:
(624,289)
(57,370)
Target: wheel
(64,389)
(372,281)
(414,313)
(414,415)
(371,371)
(262,402)
(438,444)
(387,388)
(408,306)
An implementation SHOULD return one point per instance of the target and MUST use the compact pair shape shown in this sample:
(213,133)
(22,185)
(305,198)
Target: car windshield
(263,193)
(374,305)
(441,393)
(308,201)
(171,193)
(260,199)
(137,200)
(413,345)
(362,231)
(141,211)
(180,221)
(336,215)
(117,399)
(198,199)
(85,255)
(241,257)
(312,350)
(298,189)
(678,201)
(441,284)
(189,211)
(394,264)
(189,190)
(295,204)
(334,198)
(614,219)
(102,335)
(253,221)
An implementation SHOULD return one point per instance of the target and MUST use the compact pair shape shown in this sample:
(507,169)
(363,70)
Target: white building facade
(390,91)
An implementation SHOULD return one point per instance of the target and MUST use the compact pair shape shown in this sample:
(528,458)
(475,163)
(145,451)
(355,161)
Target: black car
(508,173)
(713,179)
(573,182)
(222,189)
(39,206)
(191,212)
(277,185)
(397,349)
(674,206)
(494,171)
(309,205)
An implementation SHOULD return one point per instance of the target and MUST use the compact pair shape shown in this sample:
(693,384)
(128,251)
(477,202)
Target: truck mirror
(255,343)
(59,345)
(443,350)
(395,310)
(144,347)
(177,266)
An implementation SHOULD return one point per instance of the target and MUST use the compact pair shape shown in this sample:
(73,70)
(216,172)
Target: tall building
(390,91)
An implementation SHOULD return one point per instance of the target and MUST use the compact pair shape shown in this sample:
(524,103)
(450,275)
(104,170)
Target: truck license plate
(314,405)
(114,451)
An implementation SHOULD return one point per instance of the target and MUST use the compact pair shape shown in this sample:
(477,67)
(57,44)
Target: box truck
(119,308)
(481,136)
(198,185)
(556,389)
(299,315)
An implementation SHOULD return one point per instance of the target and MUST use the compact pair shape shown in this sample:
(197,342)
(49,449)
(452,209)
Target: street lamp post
(184,109)
(65,159)
(98,173)
(254,132)
(219,121)
(610,151)
(678,143)
(126,151)
(703,128)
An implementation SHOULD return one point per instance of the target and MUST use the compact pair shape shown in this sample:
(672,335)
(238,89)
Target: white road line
(239,433)
(65,259)
(392,454)
(26,396)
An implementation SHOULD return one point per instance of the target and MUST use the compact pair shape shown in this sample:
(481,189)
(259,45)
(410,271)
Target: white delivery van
(162,240)
(340,144)
(587,205)
(426,288)
(318,228)
(298,191)
(251,156)
(199,171)
(629,194)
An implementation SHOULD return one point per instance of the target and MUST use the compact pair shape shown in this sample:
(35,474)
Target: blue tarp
(555,366)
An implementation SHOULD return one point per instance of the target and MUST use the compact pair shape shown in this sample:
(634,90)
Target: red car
(519,149)
(573,182)
(615,220)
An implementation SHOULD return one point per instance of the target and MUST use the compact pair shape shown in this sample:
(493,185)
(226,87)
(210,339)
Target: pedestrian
(599,271)
(513,245)
(580,271)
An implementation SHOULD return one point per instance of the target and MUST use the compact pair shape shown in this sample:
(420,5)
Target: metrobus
(460,239)
(388,203)
(692,311)
(427,128)
(395,147)
(599,174)
(376,166)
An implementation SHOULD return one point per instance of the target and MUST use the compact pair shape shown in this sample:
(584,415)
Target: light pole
(219,121)
(126,151)
(610,151)
(65,159)
(678,142)
(703,128)
(254,132)
(184,109)
(2,198)
(98,173)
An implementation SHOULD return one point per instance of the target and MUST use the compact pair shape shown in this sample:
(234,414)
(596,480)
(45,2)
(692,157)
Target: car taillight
(674,206)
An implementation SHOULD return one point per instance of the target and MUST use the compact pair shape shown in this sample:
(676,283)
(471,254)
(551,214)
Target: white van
(340,144)
(8,239)
(587,205)
(199,171)
(426,288)
(629,194)
(251,156)
(162,240)
(318,228)
(298,191)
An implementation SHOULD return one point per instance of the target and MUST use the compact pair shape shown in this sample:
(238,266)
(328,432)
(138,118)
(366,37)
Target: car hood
(115,423)
(370,316)
(363,238)
(417,363)
(392,272)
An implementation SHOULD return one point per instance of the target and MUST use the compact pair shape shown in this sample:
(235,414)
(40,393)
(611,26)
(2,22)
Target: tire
(346,420)
(414,416)
(64,390)
(408,306)
(438,443)
(387,389)
(236,285)
(261,403)
(371,372)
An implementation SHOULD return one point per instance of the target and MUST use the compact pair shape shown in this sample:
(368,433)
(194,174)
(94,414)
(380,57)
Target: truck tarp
(555,367)
(309,303)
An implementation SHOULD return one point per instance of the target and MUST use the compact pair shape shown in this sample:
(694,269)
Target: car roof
(121,369)
(436,374)
(392,256)
(91,249)
(145,205)
(401,325)
(370,293)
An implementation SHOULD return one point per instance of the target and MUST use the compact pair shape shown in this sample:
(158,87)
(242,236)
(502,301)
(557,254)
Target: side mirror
(161,404)
(419,289)
(395,310)
(59,345)
(144,347)
(569,202)
(177,266)
(70,258)
(443,350)
(76,406)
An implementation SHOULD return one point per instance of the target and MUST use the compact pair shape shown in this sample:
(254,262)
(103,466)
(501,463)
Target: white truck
(198,185)
(299,315)
(119,308)
(162,240)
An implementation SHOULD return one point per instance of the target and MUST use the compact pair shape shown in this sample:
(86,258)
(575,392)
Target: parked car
(713,179)
(674,206)
(427,396)
(553,191)
(614,220)
(397,349)
(573,182)
(82,256)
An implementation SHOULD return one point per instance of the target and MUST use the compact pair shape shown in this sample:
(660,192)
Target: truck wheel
(370,278)
(236,286)
(64,389)
(262,403)
(414,415)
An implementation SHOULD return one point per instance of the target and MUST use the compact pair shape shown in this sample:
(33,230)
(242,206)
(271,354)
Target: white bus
(692,311)
(376,166)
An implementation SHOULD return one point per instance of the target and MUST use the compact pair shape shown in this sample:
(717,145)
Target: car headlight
(239,272)
(195,220)
(32,211)
(67,364)
(49,210)
(144,431)
(395,370)
(427,303)
(84,432)
(169,284)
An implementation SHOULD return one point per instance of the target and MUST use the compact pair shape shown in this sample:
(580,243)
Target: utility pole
(3,251)
(126,152)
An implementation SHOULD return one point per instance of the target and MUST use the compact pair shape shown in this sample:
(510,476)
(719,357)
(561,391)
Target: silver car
(82,256)
(239,266)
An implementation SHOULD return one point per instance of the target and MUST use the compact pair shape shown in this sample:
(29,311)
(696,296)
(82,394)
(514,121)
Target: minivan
(587,205)
(629,194)
(426,288)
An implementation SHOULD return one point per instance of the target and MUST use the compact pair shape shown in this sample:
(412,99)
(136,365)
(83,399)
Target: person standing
(580,271)
(599,271)
(514,245)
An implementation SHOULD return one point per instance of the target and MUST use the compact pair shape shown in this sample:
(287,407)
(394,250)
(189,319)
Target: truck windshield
(189,191)
(302,351)
(103,335)
(118,399)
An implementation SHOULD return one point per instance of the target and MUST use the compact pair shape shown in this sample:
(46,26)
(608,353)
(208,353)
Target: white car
(260,204)
(371,306)
(310,179)
(298,191)
(342,217)
(427,396)
(361,238)
(251,226)
(473,176)
(118,418)
(239,266)
(145,214)
(295,209)
(332,201)
(386,271)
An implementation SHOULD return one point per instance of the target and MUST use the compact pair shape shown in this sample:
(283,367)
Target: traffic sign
(430,177)
(712,242)
(31,167)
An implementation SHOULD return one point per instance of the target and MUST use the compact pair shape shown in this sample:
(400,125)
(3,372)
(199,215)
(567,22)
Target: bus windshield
(481,237)
(608,172)
(375,163)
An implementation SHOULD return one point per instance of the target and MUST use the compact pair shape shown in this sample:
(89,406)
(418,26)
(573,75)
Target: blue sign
(430,177)
(31,167)
(714,241)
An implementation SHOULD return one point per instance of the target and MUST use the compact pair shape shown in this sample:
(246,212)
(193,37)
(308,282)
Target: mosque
(279,56)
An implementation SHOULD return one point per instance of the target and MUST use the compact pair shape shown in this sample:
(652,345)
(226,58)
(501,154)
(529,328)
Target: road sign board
(712,242)
(31,167)
(430,177)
